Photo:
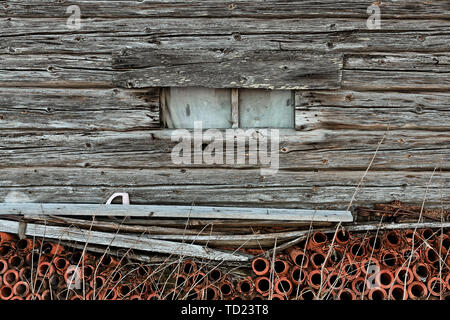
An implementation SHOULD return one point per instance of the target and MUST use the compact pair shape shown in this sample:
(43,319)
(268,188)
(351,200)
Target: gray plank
(236,69)
(155,211)
(214,8)
(79,109)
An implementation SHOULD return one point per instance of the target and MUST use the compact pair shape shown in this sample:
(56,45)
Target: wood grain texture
(235,69)
(213,8)
(78,109)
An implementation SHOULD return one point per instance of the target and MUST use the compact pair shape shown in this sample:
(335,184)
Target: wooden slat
(369,110)
(214,8)
(154,211)
(79,109)
(122,241)
(218,187)
(237,69)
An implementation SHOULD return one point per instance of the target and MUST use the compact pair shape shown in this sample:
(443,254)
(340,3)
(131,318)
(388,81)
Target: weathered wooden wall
(76,126)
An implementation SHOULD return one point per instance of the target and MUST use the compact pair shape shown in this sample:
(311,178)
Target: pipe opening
(378,295)
(319,238)
(316,279)
(351,269)
(342,236)
(307,295)
(359,285)
(335,281)
(357,250)
(298,275)
(61,263)
(109,294)
(398,293)
(188,268)
(279,266)
(6,292)
(22,244)
(125,290)
(225,288)
(88,271)
(117,276)
(263,285)
(389,259)
(107,260)
(210,294)
(21,289)
(215,275)
(260,265)
(337,256)
(180,281)
(47,247)
(393,238)
(437,286)
(245,287)
(386,278)
(427,233)
(284,286)
(422,271)
(143,270)
(374,243)
(432,255)
(318,259)
(345,295)
(300,259)
(417,290)
(99,282)
(4,250)
(10,277)
(403,276)
(3,266)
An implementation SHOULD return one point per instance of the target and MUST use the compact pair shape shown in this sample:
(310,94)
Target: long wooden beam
(158,211)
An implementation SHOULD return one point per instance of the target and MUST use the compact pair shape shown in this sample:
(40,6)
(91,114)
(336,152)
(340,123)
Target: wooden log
(155,211)
(122,241)
(237,69)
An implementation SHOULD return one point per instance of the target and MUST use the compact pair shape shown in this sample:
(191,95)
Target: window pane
(186,105)
(266,108)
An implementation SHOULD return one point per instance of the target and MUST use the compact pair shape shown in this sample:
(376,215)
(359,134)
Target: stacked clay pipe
(392,265)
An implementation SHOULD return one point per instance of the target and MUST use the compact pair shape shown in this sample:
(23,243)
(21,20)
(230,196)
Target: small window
(227,108)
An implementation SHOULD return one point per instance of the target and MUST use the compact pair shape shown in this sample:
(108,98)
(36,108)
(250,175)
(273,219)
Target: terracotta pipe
(421,271)
(6,293)
(209,293)
(108,261)
(56,280)
(442,244)
(397,292)
(25,274)
(409,234)
(360,286)
(337,256)
(317,241)
(10,277)
(280,267)
(430,255)
(135,297)
(278,297)
(6,237)
(6,250)
(76,297)
(315,280)
(181,280)
(88,271)
(377,294)
(307,294)
(283,286)
(298,275)
(373,244)
(392,239)
(90,295)
(144,271)
(15,261)
(199,279)
(260,266)
(436,286)
(335,281)
(215,275)
(256,296)
(447,281)
(21,288)
(368,265)
(402,274)
(33,258)
(357,251)
(245,286)
(98,282)
(45,269)
(389,258)
(33,296)
(154,296)
(114,276)
(47,295)
(51,249)
(16,298)
(385,279)
(318,259)
(189,267)
(427,234)
(298,257)
(24,245)
(346,294)
(109,294)
(61,265)
(343,237)
(226,288)
(351,271)
(263,285)
(124,290)
(3,266)
(406,256)
(417,290)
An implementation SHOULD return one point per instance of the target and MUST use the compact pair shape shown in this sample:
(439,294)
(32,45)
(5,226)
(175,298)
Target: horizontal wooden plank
(373,110)
(299,150)
(218,187)
(122,241)
(79,109)
(214,8)
(155,211)
(343,41)
(237,69)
